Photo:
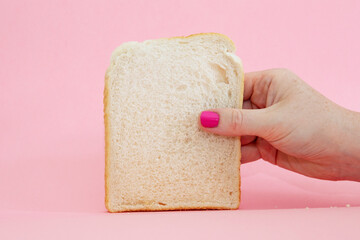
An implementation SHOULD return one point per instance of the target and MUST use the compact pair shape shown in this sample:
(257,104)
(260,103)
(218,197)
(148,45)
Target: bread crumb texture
(157,158)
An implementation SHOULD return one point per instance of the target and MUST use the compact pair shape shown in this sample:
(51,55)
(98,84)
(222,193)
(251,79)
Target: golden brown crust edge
(239,148)
(150,209)
(107,140)
(210,33)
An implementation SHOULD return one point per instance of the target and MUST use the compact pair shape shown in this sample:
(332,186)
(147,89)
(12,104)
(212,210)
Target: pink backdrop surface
(53,56)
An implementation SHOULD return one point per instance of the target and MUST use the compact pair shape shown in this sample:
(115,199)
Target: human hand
(289,124)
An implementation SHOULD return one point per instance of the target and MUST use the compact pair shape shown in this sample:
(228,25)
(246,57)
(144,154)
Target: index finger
(249,82)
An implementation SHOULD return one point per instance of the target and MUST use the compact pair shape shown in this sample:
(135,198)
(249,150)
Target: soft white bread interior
(157,158)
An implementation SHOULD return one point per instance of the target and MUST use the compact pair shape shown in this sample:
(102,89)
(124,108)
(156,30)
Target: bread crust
(107,139)
(205,34)
(149,208)
(239,148)
(107,144)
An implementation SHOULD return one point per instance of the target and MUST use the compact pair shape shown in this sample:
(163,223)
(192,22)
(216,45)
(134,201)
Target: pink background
(53,56)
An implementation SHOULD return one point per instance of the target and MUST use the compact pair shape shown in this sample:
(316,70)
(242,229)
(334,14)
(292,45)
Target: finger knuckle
(286,70)
(282,71)
(236,120)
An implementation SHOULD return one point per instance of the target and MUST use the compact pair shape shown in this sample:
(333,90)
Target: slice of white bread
(157,158)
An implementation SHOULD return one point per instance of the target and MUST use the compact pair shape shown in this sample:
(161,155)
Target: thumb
(237,122)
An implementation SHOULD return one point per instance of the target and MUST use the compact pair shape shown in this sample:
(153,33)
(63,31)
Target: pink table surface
(295,224)
(53,56)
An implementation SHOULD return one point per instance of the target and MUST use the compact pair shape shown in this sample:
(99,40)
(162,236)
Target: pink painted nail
(209,119)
